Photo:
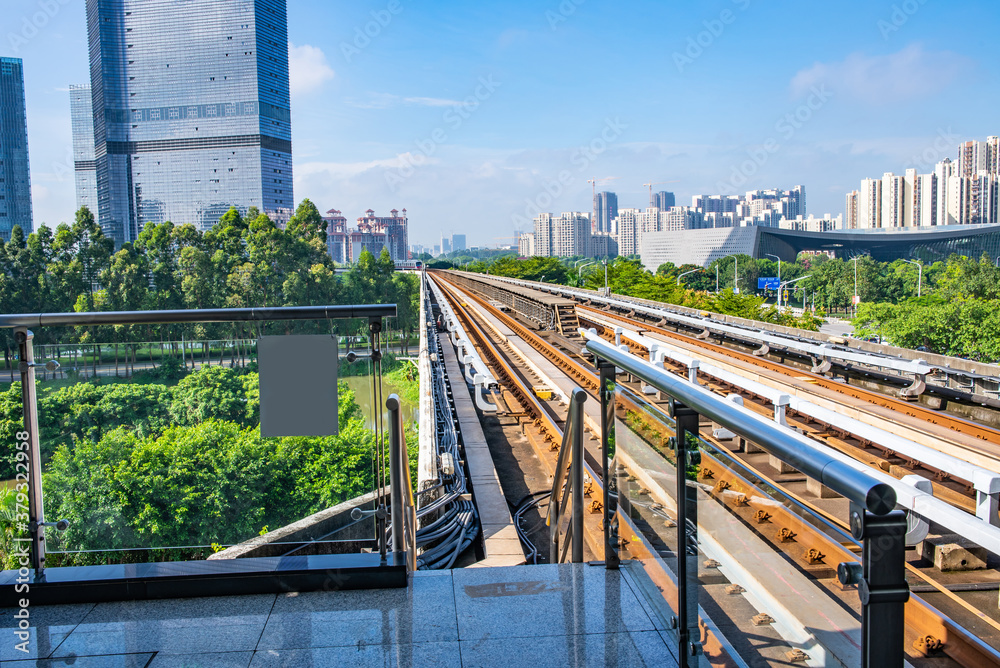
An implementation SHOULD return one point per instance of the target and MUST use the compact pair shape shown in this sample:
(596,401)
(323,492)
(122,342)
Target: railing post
(570,449)
(29,404)
(403,509)
(576,474)
(556,498)
(607,396)
(685,422)
(882,586)
(395,473)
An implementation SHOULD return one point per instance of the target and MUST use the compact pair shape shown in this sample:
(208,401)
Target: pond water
(363,394)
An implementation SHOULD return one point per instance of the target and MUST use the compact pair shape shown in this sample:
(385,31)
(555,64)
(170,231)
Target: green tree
(211,392)
(126,288)
(307,223)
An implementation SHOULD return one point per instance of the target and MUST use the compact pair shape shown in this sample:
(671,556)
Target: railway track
(735,483)
(975,438)
(957,491)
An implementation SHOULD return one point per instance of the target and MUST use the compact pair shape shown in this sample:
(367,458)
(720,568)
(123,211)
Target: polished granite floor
(538,616)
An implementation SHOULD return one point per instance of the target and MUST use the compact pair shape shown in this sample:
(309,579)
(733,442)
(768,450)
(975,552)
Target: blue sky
(473,116)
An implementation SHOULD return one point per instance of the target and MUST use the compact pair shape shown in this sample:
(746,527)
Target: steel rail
(985,481)
(955,424)
(861,488)
(978,431)
(919,367)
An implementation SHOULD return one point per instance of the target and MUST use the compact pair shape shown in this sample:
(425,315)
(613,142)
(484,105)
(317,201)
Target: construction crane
(593,183)
(659,183)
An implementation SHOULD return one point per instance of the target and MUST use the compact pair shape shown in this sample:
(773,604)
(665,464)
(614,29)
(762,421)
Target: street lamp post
(717,277)
(685,274)
(736,274)
(779,275)
(855,302)
(606,292)
(579,274)
(920,274)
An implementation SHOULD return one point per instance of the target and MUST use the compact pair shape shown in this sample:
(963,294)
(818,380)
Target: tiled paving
(542,616)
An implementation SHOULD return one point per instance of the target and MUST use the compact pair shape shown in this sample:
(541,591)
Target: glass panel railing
(645,468)
(158,455)
(760,560)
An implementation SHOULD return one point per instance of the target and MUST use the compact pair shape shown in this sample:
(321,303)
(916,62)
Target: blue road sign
(768,283)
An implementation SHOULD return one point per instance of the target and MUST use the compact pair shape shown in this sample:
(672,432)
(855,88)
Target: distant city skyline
(854,92)
(963,191)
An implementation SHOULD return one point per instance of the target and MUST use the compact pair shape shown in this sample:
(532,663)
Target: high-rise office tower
(15,181)
(605,211)
(663,200)
(82,119)
(191,111)
(445,244)
(458,242)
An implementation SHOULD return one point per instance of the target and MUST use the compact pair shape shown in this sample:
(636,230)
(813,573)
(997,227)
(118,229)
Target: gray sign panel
(298,385)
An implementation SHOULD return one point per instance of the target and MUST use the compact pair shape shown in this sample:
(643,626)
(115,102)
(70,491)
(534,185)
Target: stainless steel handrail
(329,312)
(571,457)
(403,509)
(874,521)
(24,338)
(876,497)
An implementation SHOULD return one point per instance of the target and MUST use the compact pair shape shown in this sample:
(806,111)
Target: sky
(477,116)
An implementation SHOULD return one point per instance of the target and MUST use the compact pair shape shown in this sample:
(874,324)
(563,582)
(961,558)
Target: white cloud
(339,171)
(387,100)
(910,73)
(308,69)
(431,102)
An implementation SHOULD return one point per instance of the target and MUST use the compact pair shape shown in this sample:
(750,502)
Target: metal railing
(403,508)
(567,491)
(873,519)
(28,442)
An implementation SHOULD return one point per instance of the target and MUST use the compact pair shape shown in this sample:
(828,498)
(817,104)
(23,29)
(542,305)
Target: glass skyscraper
(82,118)
(15,181)
(191,111)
